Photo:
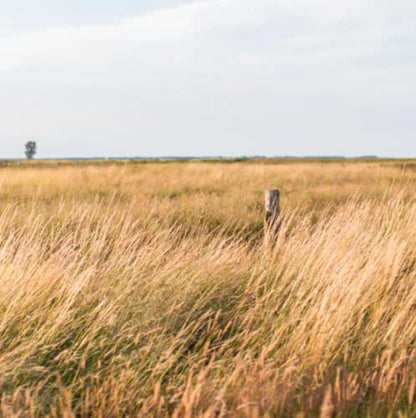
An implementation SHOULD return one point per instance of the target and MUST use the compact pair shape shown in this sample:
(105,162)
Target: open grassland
(147,289)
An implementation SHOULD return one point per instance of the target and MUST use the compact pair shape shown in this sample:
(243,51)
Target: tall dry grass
(147,290)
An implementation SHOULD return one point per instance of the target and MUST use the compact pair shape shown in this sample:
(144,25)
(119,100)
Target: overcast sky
(208,77)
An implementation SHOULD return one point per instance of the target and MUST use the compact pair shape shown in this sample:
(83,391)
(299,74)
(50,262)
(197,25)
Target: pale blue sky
(210,77)
(20,16)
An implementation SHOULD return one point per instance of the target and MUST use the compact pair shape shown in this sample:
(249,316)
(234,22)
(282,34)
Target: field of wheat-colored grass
(148,290)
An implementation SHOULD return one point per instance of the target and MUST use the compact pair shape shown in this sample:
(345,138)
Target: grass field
(147,289)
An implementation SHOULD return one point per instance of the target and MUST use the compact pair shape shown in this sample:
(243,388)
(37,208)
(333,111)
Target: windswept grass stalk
(117,298)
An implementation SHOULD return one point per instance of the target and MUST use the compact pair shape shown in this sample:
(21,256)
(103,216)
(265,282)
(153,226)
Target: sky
(87,78)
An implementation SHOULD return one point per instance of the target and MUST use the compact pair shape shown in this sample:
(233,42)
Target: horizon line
(210,157)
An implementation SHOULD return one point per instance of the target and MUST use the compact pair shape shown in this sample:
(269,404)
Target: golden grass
(147,290)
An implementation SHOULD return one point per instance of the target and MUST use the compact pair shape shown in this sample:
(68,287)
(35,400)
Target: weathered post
(272,218)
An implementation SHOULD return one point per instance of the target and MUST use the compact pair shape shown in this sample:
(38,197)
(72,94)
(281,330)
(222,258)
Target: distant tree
(30,150)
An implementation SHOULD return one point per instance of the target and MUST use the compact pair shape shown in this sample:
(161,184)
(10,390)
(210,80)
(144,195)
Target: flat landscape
(147,289)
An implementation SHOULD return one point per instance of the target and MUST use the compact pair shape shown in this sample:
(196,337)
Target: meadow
(146,289)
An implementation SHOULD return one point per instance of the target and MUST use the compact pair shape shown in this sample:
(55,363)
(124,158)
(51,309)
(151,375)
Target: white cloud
(184,26)
(219,68)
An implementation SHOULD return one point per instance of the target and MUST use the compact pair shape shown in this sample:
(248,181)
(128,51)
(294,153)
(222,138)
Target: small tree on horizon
(30,150)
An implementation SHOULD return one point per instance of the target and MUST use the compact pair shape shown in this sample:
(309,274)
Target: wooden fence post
(272,208)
